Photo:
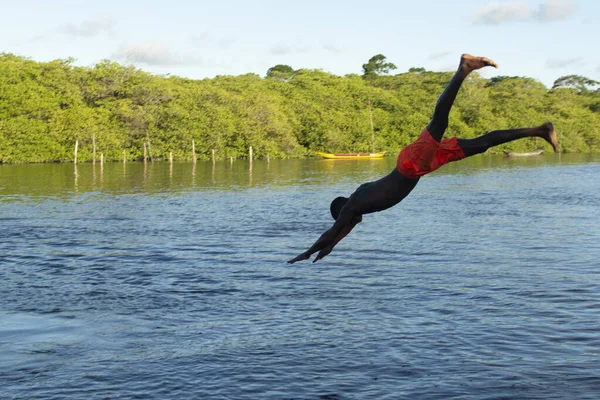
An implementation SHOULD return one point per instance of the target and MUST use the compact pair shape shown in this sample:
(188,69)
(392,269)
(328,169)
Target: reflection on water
(164,281)
(62,179)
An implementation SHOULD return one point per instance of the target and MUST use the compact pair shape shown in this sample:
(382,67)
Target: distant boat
(357,156)
(532,153)
(350,156)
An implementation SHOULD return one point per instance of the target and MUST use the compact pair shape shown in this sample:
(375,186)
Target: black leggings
(494,138)
(439,122)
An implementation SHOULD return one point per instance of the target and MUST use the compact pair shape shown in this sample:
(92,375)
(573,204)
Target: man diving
(428,153)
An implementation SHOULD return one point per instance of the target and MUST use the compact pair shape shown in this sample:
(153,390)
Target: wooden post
(193,151)
(231,160)
(75,156)
(250,154)
(171,157)
(372,128)
(124,163)
(213,156)
(250,169)
(144,152)
(560,145)
(94,148)
(101,159)
(560,142)
(150,151)
(212,173)
(268,159)
(75,178)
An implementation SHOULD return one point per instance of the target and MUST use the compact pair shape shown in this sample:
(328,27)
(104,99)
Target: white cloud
(205,40)
(155,54)
(201,39)
(516,10)
(88,28)
(280,49)
(495,13)
(331,48)
(557,63)
(554,10)
(284,49)
(437,56)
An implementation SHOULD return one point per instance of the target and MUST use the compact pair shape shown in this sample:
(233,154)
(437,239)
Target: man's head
(336,206)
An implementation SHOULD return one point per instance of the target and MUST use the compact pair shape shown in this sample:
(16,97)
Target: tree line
(46,106)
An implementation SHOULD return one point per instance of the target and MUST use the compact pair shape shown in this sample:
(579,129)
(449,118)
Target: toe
(490,63)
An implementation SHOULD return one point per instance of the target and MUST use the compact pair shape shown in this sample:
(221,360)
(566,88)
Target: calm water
(161,282)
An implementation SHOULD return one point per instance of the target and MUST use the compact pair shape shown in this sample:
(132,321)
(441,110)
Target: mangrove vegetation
(45,107)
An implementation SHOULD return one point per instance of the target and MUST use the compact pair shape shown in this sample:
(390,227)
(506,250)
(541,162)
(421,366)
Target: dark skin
(368,198)
(394,187)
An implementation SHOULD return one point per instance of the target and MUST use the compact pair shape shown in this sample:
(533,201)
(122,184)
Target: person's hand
(323,253)
(300,257)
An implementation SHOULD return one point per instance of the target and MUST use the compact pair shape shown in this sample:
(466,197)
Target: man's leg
(495,138)
(439,122)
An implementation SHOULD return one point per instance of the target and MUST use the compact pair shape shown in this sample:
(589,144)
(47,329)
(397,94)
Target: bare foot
(471,63)
(550,135)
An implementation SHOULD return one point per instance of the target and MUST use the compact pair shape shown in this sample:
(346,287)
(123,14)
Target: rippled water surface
(164,282)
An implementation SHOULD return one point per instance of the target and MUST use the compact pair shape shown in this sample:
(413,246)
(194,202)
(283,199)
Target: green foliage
(281,72)
(577,82)
(46,107)
(376,66)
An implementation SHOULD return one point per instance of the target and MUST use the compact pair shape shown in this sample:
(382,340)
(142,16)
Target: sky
(541,39)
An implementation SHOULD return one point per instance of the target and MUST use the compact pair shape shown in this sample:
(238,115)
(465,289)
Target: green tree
(46,106)
(281,71)
(376,66)
(577,82)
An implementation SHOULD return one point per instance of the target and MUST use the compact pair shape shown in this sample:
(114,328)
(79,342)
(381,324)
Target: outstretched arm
(329,238)
(369,197)
(342,234)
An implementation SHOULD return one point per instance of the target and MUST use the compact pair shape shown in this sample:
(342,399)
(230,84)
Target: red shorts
(427,154)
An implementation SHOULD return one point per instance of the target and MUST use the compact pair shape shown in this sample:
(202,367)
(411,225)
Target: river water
(158,281)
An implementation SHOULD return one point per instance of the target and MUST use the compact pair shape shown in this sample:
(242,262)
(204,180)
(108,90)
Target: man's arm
(344,224)
(342,234)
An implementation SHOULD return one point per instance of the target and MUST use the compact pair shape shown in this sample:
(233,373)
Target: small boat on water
(350,156)
(357,156)
(529,154)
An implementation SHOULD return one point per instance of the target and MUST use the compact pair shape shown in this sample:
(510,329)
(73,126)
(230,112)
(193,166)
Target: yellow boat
(350,156)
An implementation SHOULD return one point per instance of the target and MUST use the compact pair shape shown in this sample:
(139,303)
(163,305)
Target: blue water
(163,282)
